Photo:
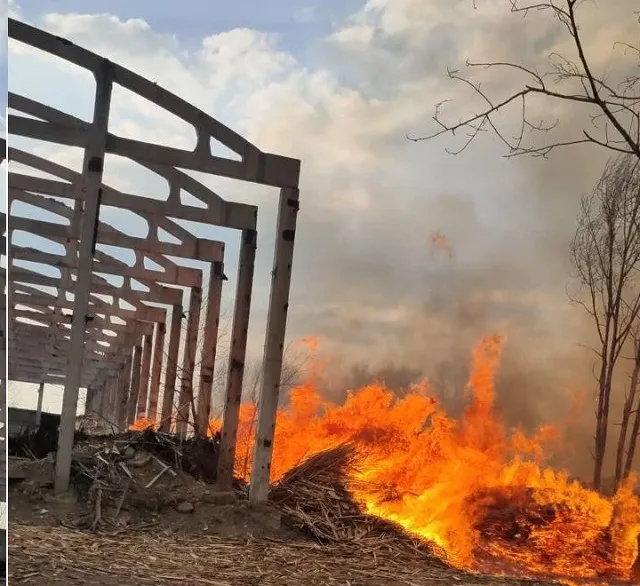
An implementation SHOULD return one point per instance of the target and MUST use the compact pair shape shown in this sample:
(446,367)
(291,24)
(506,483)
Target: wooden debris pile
(108,472)
(139,474)
(197,457)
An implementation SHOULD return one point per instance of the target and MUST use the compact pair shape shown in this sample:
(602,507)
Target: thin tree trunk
(635,431)
(610,355)
(629,403)
(633,443)
(622,438)
(602,416)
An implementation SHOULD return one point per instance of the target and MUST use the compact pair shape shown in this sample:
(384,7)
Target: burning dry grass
(318,497)
(315,499)
(478,489)
(443,479)
(61,556)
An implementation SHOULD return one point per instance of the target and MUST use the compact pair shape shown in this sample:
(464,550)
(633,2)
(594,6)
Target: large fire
(476,488)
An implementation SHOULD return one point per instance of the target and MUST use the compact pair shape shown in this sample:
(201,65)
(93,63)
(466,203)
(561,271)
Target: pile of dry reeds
(315,498)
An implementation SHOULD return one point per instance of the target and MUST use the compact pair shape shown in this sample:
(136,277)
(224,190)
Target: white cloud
(13,10)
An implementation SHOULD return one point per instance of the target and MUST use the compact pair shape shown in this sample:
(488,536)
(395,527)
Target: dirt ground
(176,503)
(232,520)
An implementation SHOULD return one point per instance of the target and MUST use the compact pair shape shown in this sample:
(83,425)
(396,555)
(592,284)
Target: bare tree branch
(618,104)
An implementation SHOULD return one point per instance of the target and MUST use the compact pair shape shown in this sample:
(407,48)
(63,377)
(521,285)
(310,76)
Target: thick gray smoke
(368,279)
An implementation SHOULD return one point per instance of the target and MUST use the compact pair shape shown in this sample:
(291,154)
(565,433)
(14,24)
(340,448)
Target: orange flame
(472,486)
(143,424)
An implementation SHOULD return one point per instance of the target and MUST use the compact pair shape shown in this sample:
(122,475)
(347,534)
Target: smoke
(367,279)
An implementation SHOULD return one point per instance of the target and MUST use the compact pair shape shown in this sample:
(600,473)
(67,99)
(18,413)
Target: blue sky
(298,23)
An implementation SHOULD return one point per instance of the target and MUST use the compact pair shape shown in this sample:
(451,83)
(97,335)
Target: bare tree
(292,374)
(615,104)
(606,255)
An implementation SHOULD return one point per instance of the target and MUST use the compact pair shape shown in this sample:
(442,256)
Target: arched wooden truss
(78,339)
